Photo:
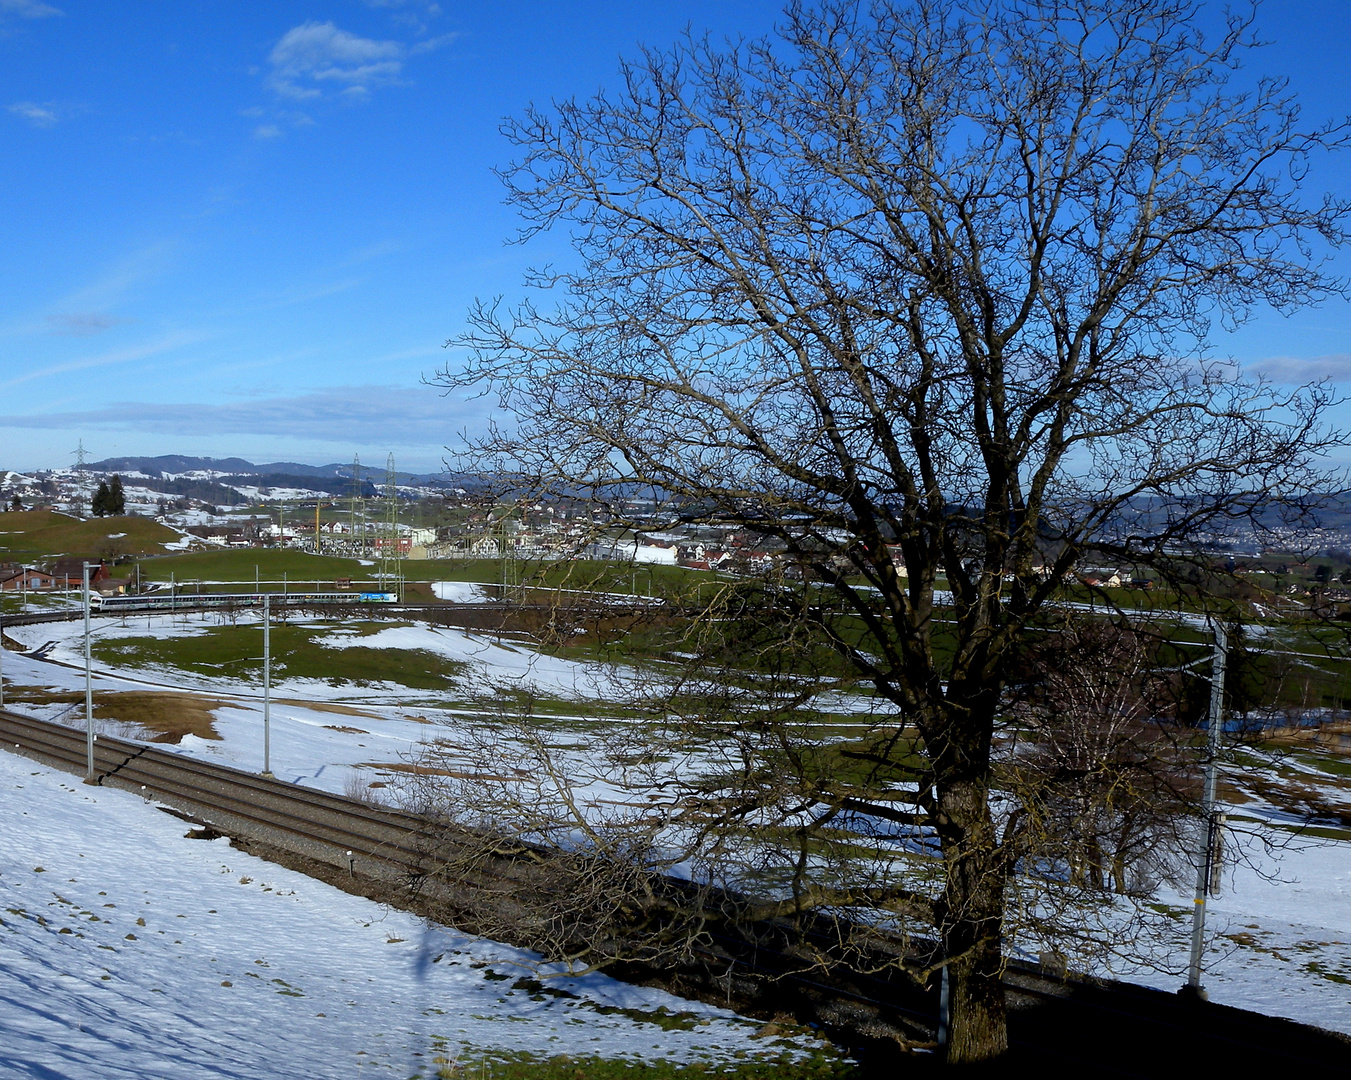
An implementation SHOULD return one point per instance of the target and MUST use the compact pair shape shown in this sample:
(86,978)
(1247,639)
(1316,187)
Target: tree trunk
(973,925)
(978,1031)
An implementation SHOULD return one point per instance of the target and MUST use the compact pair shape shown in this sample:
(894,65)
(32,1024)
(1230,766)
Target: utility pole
(502,553)
(267,685)
(1206,850)
(88,684)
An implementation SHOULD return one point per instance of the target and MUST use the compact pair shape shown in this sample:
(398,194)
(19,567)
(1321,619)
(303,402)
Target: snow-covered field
(490,661)
(1281,930)
(1280,940)
(460,592)
(128,950)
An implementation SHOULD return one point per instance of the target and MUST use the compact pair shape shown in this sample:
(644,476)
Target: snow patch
(460,592)
(132,951)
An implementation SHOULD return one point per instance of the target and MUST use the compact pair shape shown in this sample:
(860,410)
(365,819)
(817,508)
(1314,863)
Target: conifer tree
(117,500)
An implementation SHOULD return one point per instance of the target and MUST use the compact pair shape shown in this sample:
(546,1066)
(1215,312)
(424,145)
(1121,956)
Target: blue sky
(249,228)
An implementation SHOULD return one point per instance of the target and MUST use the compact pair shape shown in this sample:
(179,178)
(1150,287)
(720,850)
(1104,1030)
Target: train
(175,601)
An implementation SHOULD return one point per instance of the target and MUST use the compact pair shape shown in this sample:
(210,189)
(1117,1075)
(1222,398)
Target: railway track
(308,821)
(447,611)
(1099,1029)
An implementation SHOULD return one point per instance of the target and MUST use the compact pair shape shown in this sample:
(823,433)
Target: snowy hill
(131,950)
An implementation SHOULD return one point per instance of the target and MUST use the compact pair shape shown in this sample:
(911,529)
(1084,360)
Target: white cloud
(314,56)
(37,115)
(1335,367)
(431,10)
(266,131)
(28,9)
(432,44)
(409,416)
(416,14)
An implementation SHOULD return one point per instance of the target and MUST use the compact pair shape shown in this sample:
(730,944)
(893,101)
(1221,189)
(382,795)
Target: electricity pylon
(358,511)
(82,481)
(389,543)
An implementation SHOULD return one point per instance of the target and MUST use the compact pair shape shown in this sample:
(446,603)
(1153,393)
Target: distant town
(356,511)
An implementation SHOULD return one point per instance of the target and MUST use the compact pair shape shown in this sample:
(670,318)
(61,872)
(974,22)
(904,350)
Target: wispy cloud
(82,324)
(1335,367)
(92,307)
(267,131)
(292,297)
(380,415)
(28,9)
(44,115)
(316,57)
(106,359)
(378,250)
(432,44)
(415,13)
(120,277)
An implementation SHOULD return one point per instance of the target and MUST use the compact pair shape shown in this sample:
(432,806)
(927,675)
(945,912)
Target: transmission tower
(81,456)
(358,511)
(389,544)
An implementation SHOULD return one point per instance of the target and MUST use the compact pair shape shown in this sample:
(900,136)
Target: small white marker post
(267,686)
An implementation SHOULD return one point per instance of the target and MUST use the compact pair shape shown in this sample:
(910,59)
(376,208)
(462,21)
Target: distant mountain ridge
(272,474)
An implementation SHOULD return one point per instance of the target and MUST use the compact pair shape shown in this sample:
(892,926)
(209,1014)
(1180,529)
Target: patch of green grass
(240,565)
(13,603)
(236,651)
(872,764)
(1314,967)
(33,535)
(1319,832)
(1324,763)
(540,581)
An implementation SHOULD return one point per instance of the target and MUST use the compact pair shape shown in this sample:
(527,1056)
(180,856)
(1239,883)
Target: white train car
(163,602)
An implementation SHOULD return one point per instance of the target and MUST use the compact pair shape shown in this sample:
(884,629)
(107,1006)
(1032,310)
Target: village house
(25,578)
(69,574)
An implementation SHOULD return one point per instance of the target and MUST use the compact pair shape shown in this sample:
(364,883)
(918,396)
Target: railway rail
(311,822)
(1100,1029)
(446,611)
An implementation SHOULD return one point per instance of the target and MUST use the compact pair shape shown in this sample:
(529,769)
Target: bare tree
(553,849)
(922,292)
